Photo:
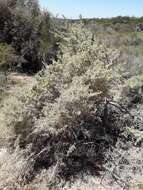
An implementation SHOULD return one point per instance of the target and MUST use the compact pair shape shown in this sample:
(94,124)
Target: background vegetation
(28,31)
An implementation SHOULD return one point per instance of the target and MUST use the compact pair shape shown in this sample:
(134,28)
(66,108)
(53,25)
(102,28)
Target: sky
(93,8)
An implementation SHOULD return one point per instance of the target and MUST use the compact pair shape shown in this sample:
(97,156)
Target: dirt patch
(16,81)
(15,78)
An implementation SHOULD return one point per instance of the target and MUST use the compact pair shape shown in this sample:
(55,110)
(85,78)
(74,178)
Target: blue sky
(94,8)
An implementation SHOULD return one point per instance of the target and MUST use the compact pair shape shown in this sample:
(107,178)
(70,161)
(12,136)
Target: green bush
(28,30)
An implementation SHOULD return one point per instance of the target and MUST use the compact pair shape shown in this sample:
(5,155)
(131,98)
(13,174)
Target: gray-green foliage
(82,78)
(65,121)
(64,113)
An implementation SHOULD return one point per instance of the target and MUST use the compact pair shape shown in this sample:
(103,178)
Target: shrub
(69,121)
(66,112)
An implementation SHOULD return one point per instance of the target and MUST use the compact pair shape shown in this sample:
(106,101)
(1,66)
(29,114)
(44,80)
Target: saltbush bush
(70,120)
(66,115)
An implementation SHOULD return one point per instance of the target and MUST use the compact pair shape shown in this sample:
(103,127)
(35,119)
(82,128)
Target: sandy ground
(18,80)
